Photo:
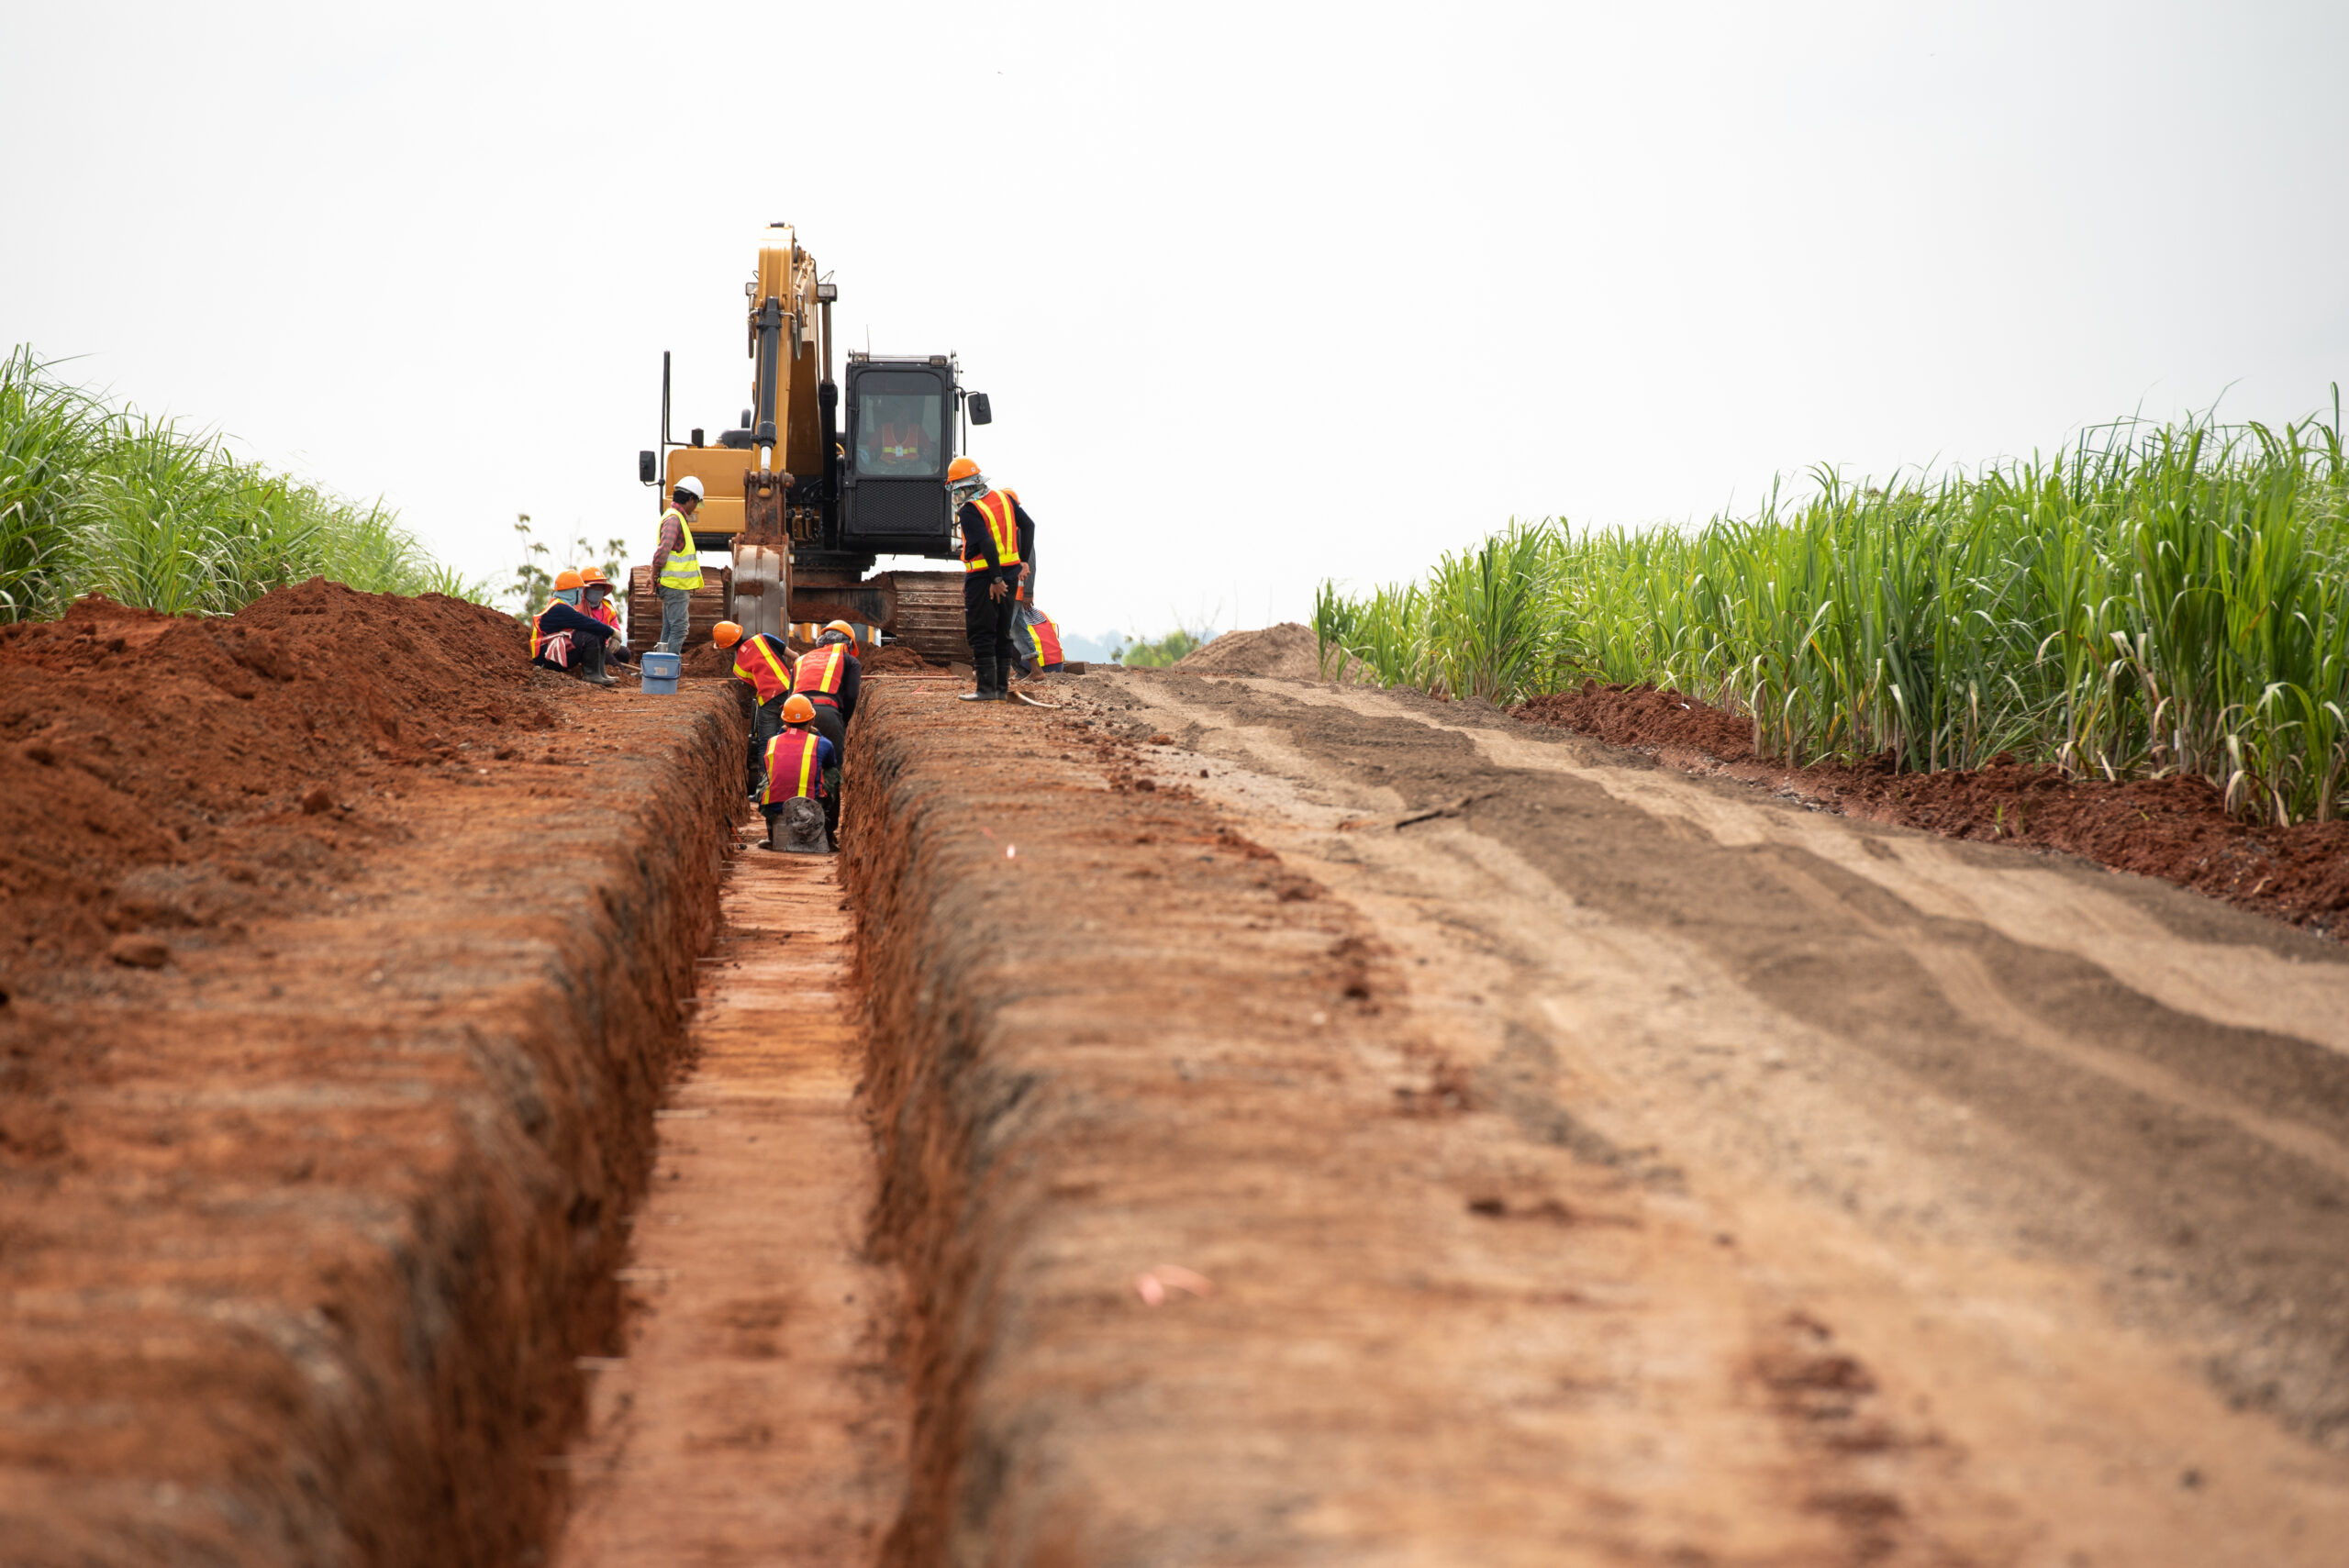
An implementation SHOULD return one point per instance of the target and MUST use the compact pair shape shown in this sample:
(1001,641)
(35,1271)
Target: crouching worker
(564,637)
(596,592)
(829,676)
(1035,642)
(801,797)
(764,661)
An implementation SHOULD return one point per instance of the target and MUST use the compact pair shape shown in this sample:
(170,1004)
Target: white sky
(1263,293)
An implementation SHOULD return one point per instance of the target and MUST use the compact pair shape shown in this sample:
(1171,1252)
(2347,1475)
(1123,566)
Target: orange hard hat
(1011,494)
(566,580)
(797,709)
(726,633)
(961,468)
(843,629)
(591,576)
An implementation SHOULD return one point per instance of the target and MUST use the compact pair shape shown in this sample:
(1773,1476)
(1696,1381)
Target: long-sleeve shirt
(559,617)
(978,542)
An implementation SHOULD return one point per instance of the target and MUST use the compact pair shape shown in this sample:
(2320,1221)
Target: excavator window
(900,426)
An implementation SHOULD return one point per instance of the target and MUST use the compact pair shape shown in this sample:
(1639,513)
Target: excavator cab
(812,486)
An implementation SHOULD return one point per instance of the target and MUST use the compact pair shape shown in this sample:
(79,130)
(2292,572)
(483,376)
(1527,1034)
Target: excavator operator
(991,522)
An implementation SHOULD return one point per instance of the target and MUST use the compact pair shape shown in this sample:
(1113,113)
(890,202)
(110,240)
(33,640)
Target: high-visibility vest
(995,508)
(1043,639)
(607,613)
(901,440)
(537,636)
(683,569)
(758,664)
(820,670)
(791,768)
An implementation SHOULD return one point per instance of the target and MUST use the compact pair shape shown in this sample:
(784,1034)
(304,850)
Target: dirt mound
(2177,830)
(1286,652)
(159,771)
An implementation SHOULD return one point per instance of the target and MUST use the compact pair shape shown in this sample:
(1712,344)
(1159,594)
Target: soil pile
(1288,651)
(159,771)
(2177,830)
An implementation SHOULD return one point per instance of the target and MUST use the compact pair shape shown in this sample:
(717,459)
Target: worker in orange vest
(565,637)
(596,592)
(800,764)
(991,523)
(764,661)
(1036,642)
(830,677)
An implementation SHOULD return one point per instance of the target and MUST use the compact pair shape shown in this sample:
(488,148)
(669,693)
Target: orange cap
(566,580)
(797,709)
(961,468)
(591,576)
(726,633)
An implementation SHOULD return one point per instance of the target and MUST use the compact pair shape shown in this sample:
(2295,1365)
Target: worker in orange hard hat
(595,598)
(800,766)
(991,522)
(565,637)
(830,677)
(764,661)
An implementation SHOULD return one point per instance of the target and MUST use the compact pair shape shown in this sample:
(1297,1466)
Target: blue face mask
(569,596)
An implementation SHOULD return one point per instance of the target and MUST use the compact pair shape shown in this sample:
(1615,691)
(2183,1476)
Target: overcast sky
(1261,294)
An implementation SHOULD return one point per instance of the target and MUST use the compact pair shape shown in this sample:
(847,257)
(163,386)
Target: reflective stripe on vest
(683,569)
(766,674)
(820,672)
(537,637)
(791,757)
(607,613)
(1046,637)
(995,508)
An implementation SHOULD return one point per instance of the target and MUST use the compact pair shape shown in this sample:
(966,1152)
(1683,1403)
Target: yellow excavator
(809,489)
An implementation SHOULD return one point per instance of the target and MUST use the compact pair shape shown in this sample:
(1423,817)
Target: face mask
(569,596)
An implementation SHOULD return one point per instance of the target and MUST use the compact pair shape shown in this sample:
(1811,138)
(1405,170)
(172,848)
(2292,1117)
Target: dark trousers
(988,622)
(829,801)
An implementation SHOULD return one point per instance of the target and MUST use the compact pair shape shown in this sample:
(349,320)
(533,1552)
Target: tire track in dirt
(1791,1036)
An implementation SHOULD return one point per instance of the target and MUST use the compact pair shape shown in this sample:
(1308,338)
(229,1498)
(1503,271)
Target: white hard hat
(691,487)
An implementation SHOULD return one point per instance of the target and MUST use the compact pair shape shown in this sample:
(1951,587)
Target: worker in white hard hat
(677,564)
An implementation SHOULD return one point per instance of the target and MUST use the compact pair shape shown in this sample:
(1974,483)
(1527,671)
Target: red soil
(2176,829)
(137,747)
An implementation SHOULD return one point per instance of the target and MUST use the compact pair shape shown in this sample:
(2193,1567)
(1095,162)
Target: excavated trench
(306,1222)
(1132,1149)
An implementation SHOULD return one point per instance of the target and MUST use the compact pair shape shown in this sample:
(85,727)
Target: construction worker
(991,523)
(830,677)
(764,661)
(800,764)
(1026,591)
(677,564)
(1035,642)
(565,637)
(596,589)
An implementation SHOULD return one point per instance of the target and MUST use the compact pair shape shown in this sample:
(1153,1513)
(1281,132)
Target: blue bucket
(660,672)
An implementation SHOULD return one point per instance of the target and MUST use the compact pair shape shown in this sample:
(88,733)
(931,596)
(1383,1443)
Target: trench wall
(1051,954)
(346,1332)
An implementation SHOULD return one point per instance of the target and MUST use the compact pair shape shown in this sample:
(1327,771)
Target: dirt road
(1590,1163)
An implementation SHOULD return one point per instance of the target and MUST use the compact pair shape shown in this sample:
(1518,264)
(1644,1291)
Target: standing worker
(764,661)
(677,564)
(800,766)
(564,637)
(991,523)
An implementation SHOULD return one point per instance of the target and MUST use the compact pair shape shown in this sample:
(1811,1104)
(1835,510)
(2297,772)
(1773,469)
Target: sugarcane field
(1558,852)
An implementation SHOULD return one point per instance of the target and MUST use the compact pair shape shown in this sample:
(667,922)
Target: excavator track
(930,614)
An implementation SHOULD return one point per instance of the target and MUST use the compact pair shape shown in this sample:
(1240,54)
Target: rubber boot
(591,665)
